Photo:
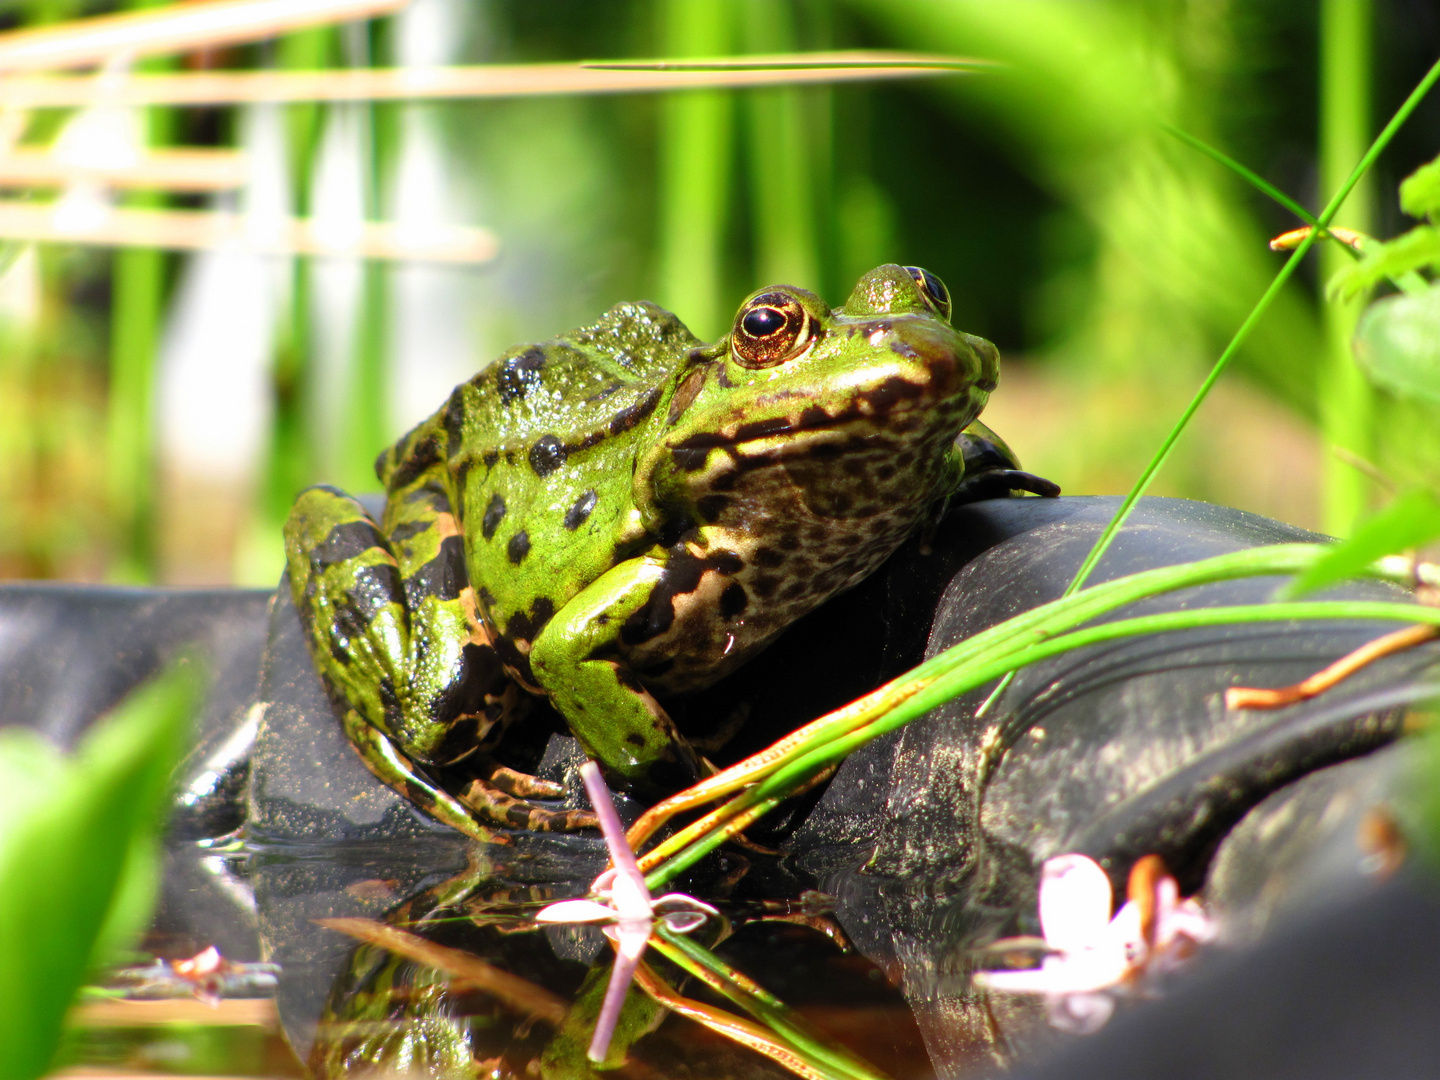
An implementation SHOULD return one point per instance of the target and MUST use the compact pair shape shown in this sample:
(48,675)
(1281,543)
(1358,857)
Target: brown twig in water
(467,972)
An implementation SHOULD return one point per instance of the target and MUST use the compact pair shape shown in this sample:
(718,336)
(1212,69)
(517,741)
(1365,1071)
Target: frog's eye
(933,290)
(770,329)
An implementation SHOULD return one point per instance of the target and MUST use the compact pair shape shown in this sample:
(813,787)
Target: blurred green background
(159,411)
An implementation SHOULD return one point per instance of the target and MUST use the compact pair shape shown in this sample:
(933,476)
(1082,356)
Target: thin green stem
(764,1007)
(1381,141)
(1254,179)
(1345,399)
(821,754)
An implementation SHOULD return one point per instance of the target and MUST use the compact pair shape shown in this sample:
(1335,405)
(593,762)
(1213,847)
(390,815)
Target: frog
(624,514)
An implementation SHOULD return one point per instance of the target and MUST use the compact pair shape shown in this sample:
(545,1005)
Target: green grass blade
(977,673)
(1409,522)
(1256,313)
(1250,177)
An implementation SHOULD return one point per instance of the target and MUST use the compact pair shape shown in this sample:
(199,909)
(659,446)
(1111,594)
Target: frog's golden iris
(625,512)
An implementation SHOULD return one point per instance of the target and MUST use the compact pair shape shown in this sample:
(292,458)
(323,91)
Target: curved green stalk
(969,675)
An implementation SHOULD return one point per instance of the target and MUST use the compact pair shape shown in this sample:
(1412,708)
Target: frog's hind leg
(391,632)
(383,758)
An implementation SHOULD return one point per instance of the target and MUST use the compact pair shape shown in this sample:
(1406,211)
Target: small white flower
(625,910)
(1094,956)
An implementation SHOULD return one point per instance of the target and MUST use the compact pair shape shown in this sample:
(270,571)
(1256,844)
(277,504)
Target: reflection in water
(433,1006)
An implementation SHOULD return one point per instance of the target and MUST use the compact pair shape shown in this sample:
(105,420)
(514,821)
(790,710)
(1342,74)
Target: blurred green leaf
(1397,343)
(1410,521)
(1420,191)
(76,833)
(1417,249)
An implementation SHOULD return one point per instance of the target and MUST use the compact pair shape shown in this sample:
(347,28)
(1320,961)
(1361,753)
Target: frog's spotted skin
(624,511)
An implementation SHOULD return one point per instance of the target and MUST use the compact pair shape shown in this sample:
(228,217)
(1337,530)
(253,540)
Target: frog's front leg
(579,660)
(991,469)
(389,632)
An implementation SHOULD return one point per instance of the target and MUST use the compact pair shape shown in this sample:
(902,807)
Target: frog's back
(574,384)
(539,449)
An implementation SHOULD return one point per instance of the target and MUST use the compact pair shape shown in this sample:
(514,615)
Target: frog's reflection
(388,1012)
(385,1010)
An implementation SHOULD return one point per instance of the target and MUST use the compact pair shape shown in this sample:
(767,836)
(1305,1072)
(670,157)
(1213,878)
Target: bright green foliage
(1420,191)
(1392,260)
(78,837)
(1397,342)
(1408,522)
(1418,249)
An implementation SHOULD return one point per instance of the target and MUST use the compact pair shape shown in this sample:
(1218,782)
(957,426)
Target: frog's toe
(491,803)
(519,784)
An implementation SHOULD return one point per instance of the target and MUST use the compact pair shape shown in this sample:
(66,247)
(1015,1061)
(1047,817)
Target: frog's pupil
(762,322)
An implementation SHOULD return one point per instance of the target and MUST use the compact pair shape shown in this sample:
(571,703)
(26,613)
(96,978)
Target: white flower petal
(576,911)
(682,922)
(1081,1014)
(1075,898)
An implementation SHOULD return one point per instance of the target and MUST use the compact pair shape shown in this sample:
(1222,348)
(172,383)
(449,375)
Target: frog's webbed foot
(383,758)
(499,794)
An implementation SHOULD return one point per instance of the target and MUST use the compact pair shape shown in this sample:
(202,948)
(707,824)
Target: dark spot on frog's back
(690,453)
(763,429)
(494,514)
(345,541)
(547,455)
(628,418)
(813,417)
(372,587)
(518,375)
(443,577)
(581,510)
(455,422)
(524,627)
(733,600)
(419,458)
(518,547)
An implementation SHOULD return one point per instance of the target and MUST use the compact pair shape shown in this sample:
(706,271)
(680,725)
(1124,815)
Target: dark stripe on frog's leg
(390,632)
(392,768)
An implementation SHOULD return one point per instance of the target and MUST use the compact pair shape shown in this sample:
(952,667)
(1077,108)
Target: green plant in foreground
(78,856)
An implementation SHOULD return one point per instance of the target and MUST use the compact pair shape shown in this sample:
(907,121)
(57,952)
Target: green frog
(626,513)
